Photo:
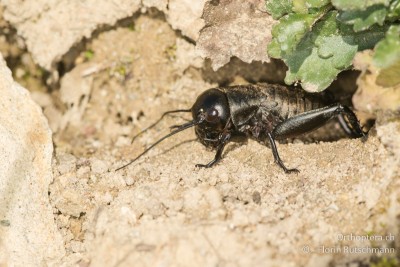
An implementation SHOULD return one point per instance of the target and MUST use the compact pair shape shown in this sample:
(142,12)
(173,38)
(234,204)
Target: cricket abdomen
(291,101)
(280,100)
(257,109)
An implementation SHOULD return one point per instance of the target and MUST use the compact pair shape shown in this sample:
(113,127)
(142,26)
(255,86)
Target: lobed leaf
(363,19)
(387,51)
(326,51)
(289,32)
(394,10)
(317,3)
(316,43)
(358,4)
(305,6)
(387,57)
(278,8)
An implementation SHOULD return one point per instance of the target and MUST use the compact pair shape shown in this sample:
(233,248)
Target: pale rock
(159,4)
(62,24)
(235,28)
(185,15)
(186,56)
(75,93)
(28,233)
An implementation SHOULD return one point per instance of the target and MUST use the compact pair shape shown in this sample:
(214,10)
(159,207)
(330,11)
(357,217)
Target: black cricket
(264,112)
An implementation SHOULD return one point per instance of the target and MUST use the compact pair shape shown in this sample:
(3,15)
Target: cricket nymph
(263,112)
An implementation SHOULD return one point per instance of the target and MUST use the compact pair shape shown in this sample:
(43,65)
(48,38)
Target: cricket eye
(212,115)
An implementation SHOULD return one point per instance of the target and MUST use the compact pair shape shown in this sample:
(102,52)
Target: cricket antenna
(157,121)
(179,129)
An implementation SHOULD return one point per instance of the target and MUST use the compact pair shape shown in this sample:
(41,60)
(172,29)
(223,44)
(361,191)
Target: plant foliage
(317,39)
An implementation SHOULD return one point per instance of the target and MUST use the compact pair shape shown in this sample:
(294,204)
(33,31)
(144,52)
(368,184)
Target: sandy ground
(162,210)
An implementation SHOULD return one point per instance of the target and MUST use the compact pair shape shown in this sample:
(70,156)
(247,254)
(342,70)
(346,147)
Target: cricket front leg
(223,141)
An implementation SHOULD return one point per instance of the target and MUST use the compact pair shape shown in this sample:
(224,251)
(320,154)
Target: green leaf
(279,8)
(289,32)
(363,19)
(326,51)
(299,6)
(317,3)
(394,10)
(387,57)
(274,49)
(387,51)
(304,6)
(357,4)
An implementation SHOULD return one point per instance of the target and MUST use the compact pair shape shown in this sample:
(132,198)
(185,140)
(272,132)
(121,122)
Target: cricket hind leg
(348,125)
(311,120)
